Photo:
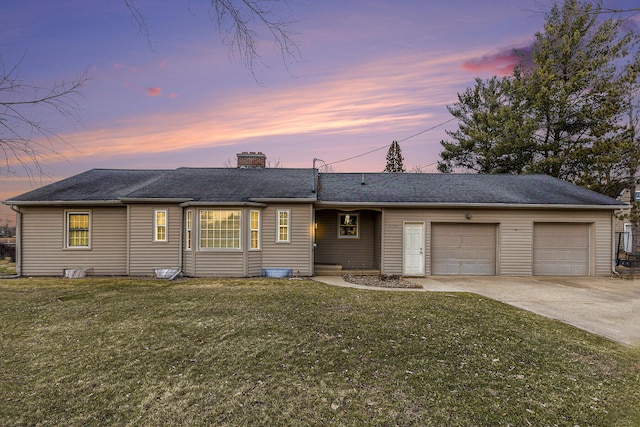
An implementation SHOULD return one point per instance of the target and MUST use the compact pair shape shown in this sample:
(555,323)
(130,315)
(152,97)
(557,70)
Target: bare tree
(241,24)
(24,138)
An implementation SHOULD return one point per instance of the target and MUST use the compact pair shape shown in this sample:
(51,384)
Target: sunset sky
(369,72)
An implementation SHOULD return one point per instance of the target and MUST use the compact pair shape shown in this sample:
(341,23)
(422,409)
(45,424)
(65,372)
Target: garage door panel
(463,249)
(560,249)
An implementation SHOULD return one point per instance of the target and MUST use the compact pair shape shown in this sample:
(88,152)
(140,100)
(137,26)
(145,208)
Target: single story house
(221,222)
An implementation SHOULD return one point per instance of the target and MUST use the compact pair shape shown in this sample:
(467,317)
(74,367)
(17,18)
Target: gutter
(154,200)
(285,199)
(250,204)
(442,205)
(63,203)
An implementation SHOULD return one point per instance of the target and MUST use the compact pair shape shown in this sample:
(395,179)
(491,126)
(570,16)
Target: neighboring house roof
(238,185)
(453,189)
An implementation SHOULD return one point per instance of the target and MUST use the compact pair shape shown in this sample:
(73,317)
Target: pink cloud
(118,66)
(500,63)
(153,91)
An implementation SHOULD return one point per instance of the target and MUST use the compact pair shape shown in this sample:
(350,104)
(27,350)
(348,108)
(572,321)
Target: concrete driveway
(608,307)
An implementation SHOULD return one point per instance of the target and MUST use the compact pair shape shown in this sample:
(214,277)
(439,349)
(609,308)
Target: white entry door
(413,249)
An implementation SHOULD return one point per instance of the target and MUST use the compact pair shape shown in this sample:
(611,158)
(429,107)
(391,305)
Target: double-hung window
(189,229)
(160,225)
(283,226)
(255,229)
(78,230)
(220,229)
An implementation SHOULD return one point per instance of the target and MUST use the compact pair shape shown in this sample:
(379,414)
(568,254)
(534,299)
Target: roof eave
(284,199)
(222,204)
(62,202)
(155,199)
(441,205)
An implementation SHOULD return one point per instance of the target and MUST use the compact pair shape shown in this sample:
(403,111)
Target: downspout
(18,241)
(182,225)
(613,245)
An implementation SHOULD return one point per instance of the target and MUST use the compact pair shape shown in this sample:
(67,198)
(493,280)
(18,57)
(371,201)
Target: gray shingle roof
(230,185)
(93,185)
(241,185)
(199,184)
(455,189)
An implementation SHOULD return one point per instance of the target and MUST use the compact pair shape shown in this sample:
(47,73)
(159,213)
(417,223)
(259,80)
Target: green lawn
(296,352)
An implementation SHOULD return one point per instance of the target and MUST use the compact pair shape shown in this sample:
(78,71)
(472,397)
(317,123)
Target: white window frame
(343,227)
(68,230)
(255,230)
(188,224)
(286,226)
(157,226)
(203,230)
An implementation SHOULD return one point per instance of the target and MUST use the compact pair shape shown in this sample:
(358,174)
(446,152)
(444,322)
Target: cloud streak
(499,63)
(370,98)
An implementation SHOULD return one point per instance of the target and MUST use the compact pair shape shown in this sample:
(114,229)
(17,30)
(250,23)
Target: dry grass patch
(295,352)
(7,267)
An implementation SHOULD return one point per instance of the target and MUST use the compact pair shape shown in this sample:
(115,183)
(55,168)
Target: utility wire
(387,146)
(427,130)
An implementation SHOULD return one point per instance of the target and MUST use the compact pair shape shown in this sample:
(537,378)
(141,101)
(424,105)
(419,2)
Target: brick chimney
(252,160)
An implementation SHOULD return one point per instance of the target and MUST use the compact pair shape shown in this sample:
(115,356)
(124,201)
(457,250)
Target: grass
(296,352)
(7,267)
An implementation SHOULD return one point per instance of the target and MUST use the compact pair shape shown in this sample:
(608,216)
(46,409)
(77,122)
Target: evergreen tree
(394,158)
(563,116)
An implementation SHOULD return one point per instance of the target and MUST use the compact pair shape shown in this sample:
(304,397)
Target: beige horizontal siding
(351,253)
(188,263)
(297,254)
(43,234)
(254,263)
(219,263)
(514,235)
(145,254)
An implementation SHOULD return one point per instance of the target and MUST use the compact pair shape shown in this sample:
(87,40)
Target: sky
(366,73)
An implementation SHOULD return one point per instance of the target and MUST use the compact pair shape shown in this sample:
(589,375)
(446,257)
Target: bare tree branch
(24,139)
(242,24)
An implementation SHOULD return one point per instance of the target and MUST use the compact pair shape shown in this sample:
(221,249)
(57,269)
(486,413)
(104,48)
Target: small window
(255,229)
(284,232)
(160,226)
(348,226)
(220,229)
(78,235)
(189,229)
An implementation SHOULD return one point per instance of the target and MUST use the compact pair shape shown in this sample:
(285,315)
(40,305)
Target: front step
(327,270)
(337,270)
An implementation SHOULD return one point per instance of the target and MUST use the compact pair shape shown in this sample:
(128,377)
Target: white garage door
(463,249)
(560,249)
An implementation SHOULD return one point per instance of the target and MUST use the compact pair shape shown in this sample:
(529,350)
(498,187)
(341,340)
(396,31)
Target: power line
(387,146)
(427,130)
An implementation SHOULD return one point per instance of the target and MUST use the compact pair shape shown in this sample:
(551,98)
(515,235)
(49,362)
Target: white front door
(413,249)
